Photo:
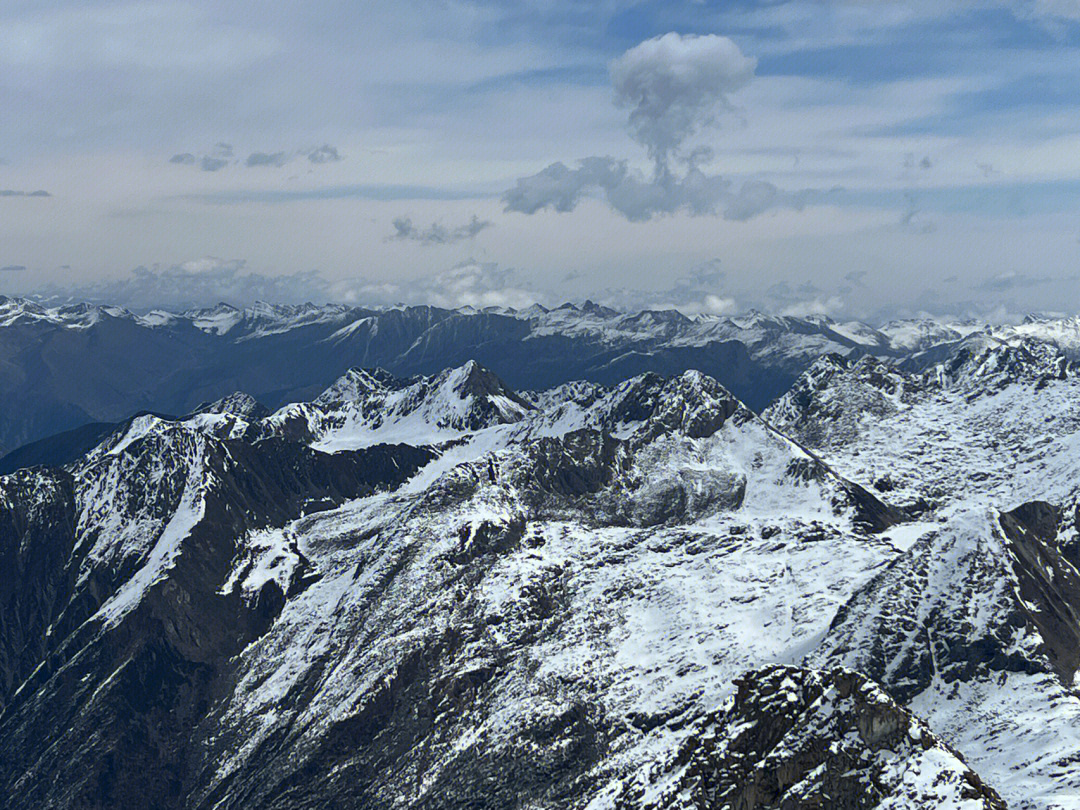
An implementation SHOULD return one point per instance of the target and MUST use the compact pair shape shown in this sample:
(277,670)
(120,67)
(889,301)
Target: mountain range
(70,367)
(455,586)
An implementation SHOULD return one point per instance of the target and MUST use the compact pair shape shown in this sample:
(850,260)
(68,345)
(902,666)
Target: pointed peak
(238,404)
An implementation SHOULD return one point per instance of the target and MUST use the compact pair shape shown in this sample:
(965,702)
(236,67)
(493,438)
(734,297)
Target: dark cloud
(404,230)
(753,198)
(212,164)
(275,159)
(207,163)
(13,268)
(856,277)
(10,192)
(324,154)
(640,198)
(223,153)
(912,219)
(923,163)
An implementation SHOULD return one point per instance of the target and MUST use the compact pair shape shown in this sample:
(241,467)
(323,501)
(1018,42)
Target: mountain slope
(238,619)
(975,627)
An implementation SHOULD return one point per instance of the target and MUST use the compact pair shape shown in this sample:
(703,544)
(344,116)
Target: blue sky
(863,159)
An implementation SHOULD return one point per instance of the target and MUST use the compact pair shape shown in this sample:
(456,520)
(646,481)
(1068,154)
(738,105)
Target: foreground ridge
(438,592)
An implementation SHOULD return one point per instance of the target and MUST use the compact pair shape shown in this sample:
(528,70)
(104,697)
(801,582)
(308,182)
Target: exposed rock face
(798,738)
(1047,568)
(121,629)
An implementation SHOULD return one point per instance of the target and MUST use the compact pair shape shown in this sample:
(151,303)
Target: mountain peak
(238,404)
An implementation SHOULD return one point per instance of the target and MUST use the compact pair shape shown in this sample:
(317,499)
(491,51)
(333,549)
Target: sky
(866,159)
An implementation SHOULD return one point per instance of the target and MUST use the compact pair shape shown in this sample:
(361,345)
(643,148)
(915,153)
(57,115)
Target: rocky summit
(441,591)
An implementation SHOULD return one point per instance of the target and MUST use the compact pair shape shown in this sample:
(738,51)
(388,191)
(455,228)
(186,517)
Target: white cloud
(191,284)
(673,85)
(815,306)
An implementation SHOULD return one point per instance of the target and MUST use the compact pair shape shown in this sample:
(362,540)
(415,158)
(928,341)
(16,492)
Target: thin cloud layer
(193,284)
(11,192)
(1011,280)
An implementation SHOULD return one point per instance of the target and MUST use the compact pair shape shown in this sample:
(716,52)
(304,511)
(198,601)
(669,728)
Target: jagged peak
(355,384)
(691,403)
(238,404)
(982,359)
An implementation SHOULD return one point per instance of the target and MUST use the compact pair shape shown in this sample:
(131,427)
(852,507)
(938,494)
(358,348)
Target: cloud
(215,161)
(912,218)
(699,292)
(753,198)
(640,198)
(13,268)
(805,299)
(222,154)
(404,230)
(209,280)
(192,284)
(923,163)
(816,306)
(856,277)
(10,192)
(276,159)
(673,85)
(471,283)
(324,154)
(706,274)
(689,303)
(1011,280)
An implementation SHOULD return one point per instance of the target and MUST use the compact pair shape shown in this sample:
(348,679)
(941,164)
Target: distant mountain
(66,367)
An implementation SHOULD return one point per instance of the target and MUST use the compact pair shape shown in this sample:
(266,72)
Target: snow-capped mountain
(275,615)
(976,627)
(437,591)
(64,367)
